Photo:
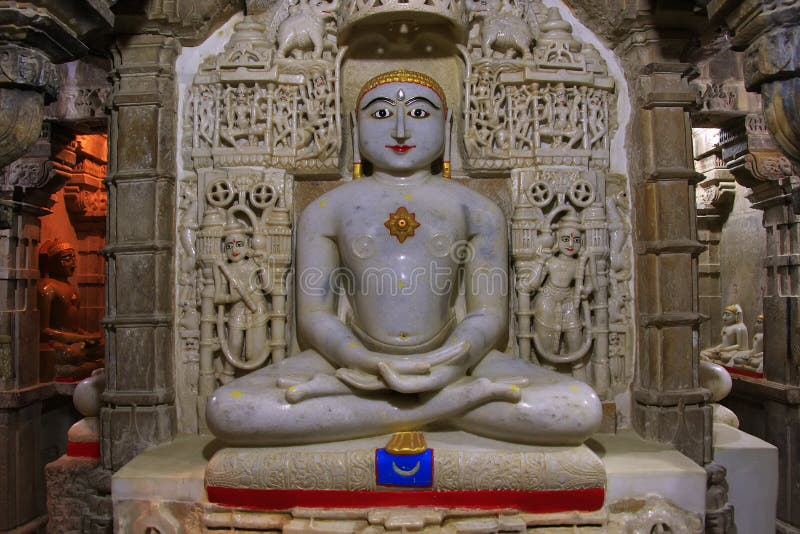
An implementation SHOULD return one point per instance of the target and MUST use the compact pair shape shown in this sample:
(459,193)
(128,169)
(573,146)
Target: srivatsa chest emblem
(401,224)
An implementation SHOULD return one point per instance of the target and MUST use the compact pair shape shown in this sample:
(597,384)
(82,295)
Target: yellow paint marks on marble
(401,284)
(322,203)
(236,394)
(408,196)
(574,388)
(352,344)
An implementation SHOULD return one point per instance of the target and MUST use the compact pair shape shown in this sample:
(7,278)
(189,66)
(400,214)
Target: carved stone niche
(542,112)
(83,171)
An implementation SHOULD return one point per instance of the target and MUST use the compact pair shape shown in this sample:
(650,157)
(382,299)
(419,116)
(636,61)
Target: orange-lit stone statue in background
(67,351)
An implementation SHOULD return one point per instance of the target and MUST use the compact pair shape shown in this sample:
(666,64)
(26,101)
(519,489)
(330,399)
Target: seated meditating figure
(402,358)
(76,352)
(753,358)
(734,337)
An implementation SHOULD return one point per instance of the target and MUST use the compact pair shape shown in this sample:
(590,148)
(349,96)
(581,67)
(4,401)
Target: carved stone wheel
(540,194)
(581,193)
(263,196)
(220,193)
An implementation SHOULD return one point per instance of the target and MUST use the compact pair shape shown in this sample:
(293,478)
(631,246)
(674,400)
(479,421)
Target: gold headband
(732,308)
(57,247)
(403,76)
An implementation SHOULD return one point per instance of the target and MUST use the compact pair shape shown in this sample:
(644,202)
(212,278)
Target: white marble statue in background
(402,360)
(753,358)
(734,337)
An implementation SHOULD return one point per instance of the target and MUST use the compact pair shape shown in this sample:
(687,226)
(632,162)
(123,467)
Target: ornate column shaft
(669,404)
(142,168)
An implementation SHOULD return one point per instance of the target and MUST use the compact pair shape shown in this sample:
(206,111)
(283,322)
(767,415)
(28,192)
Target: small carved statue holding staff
(562,288)
(240,282)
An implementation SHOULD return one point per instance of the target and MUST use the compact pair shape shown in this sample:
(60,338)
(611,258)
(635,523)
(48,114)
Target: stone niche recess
(539,113)
(265,129)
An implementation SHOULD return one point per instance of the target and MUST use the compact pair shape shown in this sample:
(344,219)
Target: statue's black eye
(418,113)
(382,113)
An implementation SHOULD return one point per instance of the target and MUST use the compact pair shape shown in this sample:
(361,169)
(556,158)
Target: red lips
(401,149)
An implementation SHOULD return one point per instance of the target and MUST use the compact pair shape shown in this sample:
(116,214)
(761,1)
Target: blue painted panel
(413,470)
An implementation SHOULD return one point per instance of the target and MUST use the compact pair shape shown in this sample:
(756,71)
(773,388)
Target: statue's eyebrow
(421,99)
(378,99)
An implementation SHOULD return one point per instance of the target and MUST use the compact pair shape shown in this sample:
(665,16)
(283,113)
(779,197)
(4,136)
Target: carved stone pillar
(142,168)
(669,404)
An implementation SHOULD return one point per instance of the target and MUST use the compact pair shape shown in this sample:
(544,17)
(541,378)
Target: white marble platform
(752,477)
(634,468)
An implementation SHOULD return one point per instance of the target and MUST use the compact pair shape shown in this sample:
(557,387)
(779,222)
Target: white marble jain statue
(402,360)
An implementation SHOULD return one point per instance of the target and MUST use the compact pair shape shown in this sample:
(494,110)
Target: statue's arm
(486,286)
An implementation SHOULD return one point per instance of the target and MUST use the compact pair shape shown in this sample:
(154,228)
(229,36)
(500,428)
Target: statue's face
(401,127)
(235,247)
(66,263)
(759,323)
(569,241)
(728,317)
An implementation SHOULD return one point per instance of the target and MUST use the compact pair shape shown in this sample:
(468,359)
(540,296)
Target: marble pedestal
(752,476)
(461,471)
(646,485)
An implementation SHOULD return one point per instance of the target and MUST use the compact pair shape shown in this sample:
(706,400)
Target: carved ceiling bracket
(751,154)
(32,171)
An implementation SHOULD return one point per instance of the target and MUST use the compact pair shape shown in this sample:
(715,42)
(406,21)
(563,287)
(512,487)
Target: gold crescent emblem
(410,473)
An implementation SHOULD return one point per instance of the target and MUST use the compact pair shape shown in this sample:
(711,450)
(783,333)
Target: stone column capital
(751,154)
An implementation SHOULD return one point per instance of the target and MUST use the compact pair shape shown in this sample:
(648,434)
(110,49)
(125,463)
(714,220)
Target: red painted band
(540,501)
(85,449)
(70,379)
(743,372)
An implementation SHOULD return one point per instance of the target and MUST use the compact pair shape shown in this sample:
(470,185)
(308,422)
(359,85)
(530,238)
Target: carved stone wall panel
(548,104)
(551,202)
(269,102)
